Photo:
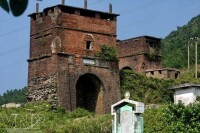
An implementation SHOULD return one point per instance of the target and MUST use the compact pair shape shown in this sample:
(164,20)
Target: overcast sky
(137,17)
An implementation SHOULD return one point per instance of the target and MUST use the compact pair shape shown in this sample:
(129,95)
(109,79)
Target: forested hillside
(16,96)
(174,46)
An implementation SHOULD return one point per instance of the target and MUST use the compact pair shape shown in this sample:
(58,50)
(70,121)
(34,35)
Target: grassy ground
(40,117)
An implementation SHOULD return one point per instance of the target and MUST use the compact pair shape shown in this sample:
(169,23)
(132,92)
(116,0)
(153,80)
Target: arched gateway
(89,93)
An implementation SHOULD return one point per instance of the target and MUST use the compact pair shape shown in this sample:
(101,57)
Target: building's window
(176,75)
(152,72)
(88,45)
(89,41)
(160,71)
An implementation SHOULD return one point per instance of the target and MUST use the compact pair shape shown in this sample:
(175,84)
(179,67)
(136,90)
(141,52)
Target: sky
(137,18)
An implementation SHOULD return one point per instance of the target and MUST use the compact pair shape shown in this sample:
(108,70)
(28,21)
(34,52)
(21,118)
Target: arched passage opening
(122,74)
(89,93)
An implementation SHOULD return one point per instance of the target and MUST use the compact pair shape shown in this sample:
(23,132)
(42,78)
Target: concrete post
(37,7)
(63,2)
(110,8)
(85,4)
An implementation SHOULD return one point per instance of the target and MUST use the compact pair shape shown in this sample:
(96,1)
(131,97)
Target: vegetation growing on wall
(152,56)
(107,53)
(188,76)
(147,90)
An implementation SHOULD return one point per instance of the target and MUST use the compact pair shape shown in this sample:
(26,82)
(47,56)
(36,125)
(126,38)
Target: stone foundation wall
(43,88)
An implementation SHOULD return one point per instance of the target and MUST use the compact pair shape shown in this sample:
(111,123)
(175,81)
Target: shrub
(107,53)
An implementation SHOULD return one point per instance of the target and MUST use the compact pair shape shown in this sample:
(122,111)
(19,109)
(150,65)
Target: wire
(142,6)
(13,50)
(164,12)
(12,64)
(14,31)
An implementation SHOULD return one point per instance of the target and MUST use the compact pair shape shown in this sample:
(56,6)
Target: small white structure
(127,116)
(11,105)
(186,93)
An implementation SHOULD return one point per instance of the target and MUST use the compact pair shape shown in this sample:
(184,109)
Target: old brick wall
(132,47)
(76,28)
(135,53)
(109,77)
(58,50)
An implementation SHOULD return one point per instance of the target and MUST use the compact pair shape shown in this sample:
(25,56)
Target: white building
(186,93)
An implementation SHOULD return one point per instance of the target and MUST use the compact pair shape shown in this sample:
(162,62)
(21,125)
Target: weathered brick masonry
(62,65)
(140,54)
(63,68)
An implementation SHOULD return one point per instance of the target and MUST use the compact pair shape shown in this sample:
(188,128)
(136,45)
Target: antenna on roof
(37,7)
(63,2)
(110,8)
(85,4)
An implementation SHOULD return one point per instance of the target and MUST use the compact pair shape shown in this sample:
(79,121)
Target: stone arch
(121,73)
(89,93)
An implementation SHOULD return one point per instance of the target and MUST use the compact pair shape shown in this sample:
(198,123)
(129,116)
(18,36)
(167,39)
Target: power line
(161,13)
(14,31)
(142,6)
(12,64)
(13,50)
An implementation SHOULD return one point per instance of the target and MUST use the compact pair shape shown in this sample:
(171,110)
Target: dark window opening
(88,45)
(160,72)
(87,14)
(151,44)
(152,72)
(176,75)
(107,17)
(68,10)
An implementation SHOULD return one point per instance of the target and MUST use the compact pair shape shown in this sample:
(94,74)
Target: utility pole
(188,56)
(196,63)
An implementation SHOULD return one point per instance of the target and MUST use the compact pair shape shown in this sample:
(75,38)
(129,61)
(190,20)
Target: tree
(173,119)
(17,7)
(174,46)
(16,96)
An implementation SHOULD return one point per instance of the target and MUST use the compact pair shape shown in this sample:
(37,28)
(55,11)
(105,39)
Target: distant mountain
(16,96)
(174,46)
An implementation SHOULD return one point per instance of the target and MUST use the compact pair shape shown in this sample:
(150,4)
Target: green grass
(40,117)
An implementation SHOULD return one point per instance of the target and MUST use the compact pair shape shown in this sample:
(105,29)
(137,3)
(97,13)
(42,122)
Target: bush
(107,53)
(173,119)
(147,90)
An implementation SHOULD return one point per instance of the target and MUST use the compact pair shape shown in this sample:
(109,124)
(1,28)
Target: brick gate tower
(62,66)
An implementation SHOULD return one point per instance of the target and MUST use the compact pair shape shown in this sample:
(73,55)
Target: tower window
(88,45)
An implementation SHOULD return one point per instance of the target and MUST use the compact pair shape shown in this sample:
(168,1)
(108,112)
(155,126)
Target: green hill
(174,46)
